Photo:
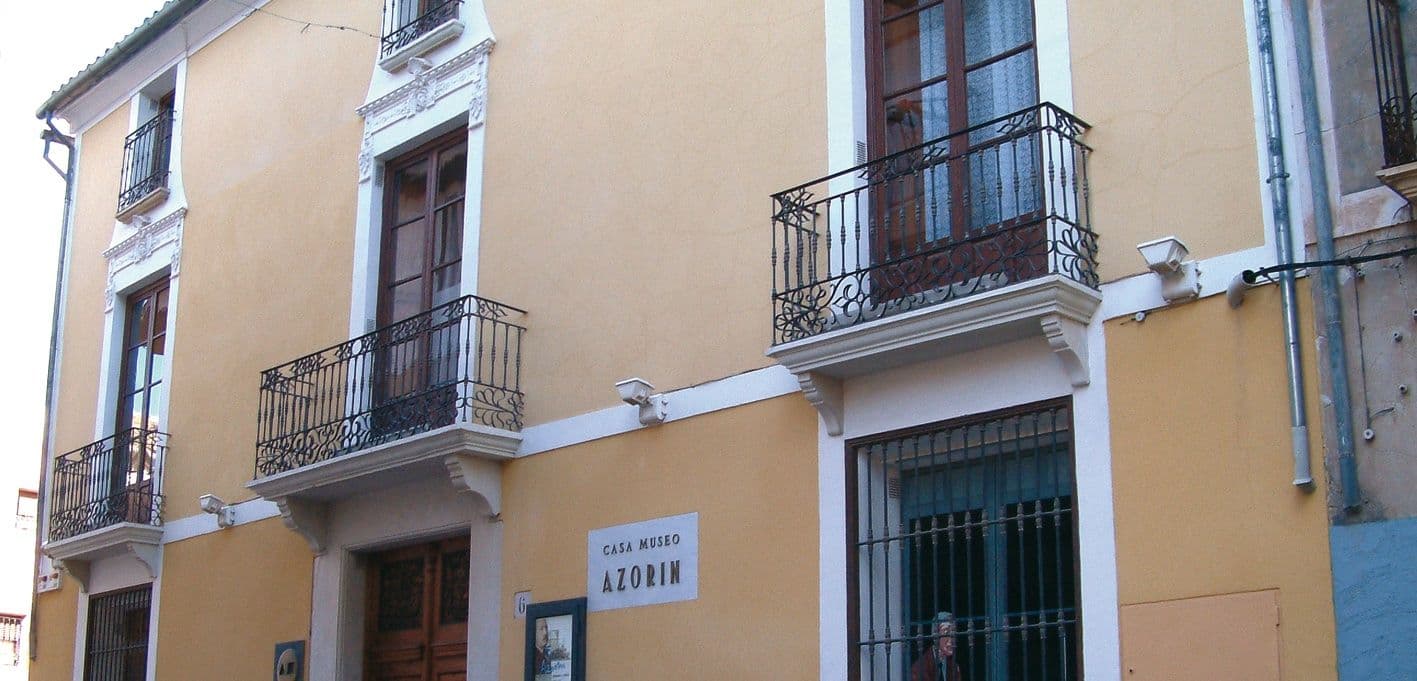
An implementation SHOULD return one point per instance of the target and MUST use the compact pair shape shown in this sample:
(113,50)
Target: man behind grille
(938,661)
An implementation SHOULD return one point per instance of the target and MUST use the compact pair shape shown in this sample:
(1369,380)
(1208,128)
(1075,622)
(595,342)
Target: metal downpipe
(1328,278)
(1278,181)
(51,136)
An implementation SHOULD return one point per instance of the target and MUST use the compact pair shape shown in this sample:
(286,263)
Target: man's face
(945,637)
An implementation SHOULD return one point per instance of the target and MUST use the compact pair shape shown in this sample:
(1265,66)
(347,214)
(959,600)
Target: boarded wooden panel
(1234,637)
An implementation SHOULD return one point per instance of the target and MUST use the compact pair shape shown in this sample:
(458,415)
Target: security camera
(637,392)
(210,503)
(1165,255)
(634,391)
(225,513)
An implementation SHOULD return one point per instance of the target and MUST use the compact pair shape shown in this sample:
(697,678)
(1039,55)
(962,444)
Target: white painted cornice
(430,83)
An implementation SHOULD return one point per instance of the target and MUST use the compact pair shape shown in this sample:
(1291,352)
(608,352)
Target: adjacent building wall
(1202,474)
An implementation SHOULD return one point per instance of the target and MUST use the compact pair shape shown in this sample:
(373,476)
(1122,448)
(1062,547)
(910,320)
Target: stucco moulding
(469,455)
(138,247)
(73,555)
(1052,307)
(431,83)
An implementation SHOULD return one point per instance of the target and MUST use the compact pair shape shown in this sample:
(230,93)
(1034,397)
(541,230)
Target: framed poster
(555,640)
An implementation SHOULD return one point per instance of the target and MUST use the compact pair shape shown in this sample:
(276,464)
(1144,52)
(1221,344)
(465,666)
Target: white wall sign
(644,563)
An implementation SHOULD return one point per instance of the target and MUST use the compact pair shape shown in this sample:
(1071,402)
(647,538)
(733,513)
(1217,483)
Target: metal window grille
(10,626)
(146,152)
(459,362)
(406,20)
(118,636)
(970,522)
(892,235)
(1395,106)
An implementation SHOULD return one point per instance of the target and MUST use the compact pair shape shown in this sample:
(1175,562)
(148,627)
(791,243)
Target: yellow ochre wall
(226,597)
(749,472)
(95,201)
(1166,87)
(269,164)
(1202,474)
(56,614)
(632,147)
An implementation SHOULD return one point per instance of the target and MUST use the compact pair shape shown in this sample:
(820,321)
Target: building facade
(358,308)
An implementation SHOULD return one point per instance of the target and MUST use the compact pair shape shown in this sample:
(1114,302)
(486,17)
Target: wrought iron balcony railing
(146,153)
(406,20)
(1396,108)
(457,363)
(115,480)
(998,203)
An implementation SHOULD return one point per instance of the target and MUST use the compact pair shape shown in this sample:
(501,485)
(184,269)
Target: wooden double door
(416,613)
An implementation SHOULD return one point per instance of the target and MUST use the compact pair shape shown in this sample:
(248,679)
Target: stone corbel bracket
(825,393)
(480,476)
(1068,339)
(307,518)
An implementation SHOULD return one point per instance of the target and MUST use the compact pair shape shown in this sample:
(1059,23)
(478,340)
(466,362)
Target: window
(146,155)
(958,77)
(117,648)
(421,271)
(26,507)
(966,527)
(416,618)
(10,628)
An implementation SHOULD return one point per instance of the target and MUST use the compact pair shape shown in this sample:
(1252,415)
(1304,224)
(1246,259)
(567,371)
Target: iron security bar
(457,363)
(406,20)
(995,204)
(964,553)
(146,152)
(114,480)
(117,641)
(1395,105)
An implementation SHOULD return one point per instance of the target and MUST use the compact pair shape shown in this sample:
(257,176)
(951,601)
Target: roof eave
(162,20)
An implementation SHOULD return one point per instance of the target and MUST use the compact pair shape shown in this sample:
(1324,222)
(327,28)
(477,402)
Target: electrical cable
(304,25)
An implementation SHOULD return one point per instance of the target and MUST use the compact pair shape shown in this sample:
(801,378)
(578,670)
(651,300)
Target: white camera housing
(224,512)
(638,392)
(1180,280)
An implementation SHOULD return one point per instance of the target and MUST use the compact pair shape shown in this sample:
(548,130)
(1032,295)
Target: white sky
(42,44)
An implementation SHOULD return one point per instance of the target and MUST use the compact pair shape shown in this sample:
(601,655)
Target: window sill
(446,31)
(149,201)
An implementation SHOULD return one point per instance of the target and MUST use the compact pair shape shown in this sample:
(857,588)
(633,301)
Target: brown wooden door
(416,617)
(142,398)
(421,269)
(938,68)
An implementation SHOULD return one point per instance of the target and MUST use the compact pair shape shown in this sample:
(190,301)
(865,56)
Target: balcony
(976,238)
(106,499)
(438,393)
(413,27)
(1396,108)
(146,155)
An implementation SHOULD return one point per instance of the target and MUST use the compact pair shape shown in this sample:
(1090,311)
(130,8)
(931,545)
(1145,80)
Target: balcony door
(142,400)
(421,270)
(942,74)
(416,613)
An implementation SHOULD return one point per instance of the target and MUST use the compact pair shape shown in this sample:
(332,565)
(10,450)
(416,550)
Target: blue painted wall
(1375,599)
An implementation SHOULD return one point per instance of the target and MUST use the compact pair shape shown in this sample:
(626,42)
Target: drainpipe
(1284,247)
(51,136)
(1328,277)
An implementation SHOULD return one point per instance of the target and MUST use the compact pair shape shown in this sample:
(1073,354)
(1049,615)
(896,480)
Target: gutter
(1278,181)
(52,136)
(1328,279)
(165,18)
